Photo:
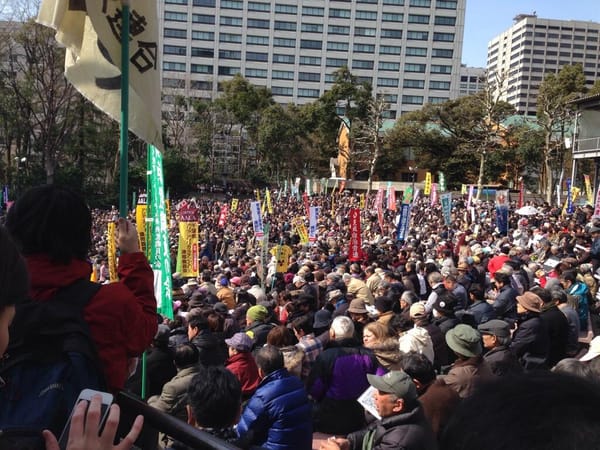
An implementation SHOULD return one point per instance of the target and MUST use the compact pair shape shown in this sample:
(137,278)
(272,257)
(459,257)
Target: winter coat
(408,430)
(278,415)
(505,304)
(212,352)
(465,374)
(502,361)
(439,402)
(259,331)
(173,397)
(417,339)
(481,311)
(386,352)
(121,316)
(160,368)
(558,332)
(530,342)
(580,291)
(243,366)
(440,348)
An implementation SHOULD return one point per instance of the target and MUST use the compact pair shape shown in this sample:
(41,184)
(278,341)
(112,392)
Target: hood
(417,340)
(47,276)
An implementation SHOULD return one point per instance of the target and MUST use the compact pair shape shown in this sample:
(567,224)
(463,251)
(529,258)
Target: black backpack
(50,359)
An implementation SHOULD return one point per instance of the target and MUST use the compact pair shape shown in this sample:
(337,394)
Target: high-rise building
(472,80)
(532,47)
(410,50)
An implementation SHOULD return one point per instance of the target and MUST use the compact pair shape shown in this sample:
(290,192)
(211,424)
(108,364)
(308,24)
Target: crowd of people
(405,346)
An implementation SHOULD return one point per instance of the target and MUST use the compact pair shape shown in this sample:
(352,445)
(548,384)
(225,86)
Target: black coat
(159,369)
(502,361)
(407,431)
(558,332)
(530,342)
(213,352)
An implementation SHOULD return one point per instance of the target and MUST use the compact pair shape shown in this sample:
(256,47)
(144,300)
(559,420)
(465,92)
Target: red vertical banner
(379,206)
(521,190)
(355,250)
(306,205)
(223,215)
(434,194)
(392,199)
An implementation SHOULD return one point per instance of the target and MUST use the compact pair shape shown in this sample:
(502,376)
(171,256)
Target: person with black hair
(311,345)
(537,411)
(579,290)
(479,309)
(505,302)
(52,227)
(172,398)
(211,351)
(278,415)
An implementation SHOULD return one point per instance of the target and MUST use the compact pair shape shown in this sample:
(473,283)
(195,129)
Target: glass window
(337,29)
(436,68)
(310,60)
(390,98)
(312,28)
(201,68)
(175,33)
(390,50)
(364,48)
(258,23)
(231,21)
(417,35)
(384,65)
(416,51)
(309,43)
(175,16)
(412,99)
(230,37)
(203,35)
(313,93)
(283,59)
(444,20)
(257,40)
(414,67)
(418,18)
(439,85)
(256,73)
(287,26)
(415,84)
(437,100)
(286,9)
(282,42)
(445,4)
(387,82)
(232,4)
(259,6)
(203,18)
(362,64)
(420,3)
(366,15)
(173,83)
(176,2)
(396,34)
(337,46)
(282,75)
(393,2)
(311,11)
(392,17)
(442,53)
(257,56)
(173,66)
(230,54)
(203,52)
(339,13)
(309,76)
(284,91)
(208,3)
(443,37)
(364,31)
(336,62)
(174,50)
(225,70)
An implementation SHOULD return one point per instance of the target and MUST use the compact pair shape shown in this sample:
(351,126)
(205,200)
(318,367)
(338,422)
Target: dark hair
(418,367)
(197,320)
(269,359)
(186,355)
(508,409)
(477,291)
(280,336)
(399,323)
(216,322)
(215,397)
(502,277)
(569,275)
(303,323)
(14,278)
(51,220)
(542,293)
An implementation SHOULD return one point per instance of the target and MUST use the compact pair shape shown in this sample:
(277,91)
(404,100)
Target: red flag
(223,216)
(521,189)
(355,250)
(306,205)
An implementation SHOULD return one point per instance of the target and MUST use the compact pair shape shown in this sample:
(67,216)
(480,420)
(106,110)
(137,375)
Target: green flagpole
(124,141)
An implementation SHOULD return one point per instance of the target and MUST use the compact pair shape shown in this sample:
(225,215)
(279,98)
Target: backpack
(50,359)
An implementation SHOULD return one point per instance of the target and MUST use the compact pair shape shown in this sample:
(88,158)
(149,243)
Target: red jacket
(243,366)
(121,316)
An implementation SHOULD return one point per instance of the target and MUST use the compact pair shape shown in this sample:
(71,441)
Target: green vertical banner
(159,254)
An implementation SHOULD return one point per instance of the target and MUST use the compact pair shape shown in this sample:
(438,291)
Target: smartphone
(87,395)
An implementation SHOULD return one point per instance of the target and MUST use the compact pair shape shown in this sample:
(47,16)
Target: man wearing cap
(402,425)
(495,335)
(530,341)
(470,367)
(241,363)
(256,326)
(359,315)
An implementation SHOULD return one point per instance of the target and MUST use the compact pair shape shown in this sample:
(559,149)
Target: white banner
(313,218)
(257,222)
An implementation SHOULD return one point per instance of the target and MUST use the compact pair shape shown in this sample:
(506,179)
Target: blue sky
(486,19)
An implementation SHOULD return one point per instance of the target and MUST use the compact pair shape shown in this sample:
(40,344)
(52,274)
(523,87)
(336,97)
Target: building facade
(472,80)
(521,56)
(410,50)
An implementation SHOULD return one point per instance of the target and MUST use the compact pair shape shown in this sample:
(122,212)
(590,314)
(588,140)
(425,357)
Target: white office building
(410,50)
(532,47)
(472,80)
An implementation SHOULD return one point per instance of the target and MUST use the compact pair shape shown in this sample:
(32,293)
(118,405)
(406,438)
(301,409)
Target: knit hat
(464,340)
(395,382)
(417,311)
(530,301)
(241,342)
(495,327)
(257,313)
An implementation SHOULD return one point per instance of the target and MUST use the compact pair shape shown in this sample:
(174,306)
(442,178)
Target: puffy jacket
(243,366)
(173,397)
(505,303)
(278,416)
(212,351)
(121,316)
(580,290)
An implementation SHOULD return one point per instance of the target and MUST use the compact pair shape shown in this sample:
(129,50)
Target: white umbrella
(527,210)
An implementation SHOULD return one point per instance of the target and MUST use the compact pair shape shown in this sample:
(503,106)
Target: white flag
(257,222)
(91,32)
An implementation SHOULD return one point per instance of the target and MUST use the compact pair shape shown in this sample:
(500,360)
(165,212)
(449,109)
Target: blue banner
(502,219)
(403,222)
(446,200)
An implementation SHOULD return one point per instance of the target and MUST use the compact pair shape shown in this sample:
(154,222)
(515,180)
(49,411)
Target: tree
(554,115)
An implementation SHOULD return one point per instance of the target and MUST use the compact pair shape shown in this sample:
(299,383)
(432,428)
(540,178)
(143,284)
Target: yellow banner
(188,247)
(282,253)
(574,193)
(588,190)
(234,204)
(427,189)
(268,201)
(361,201)
(112,253)
(140,223)
(463,189)
(301,229)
